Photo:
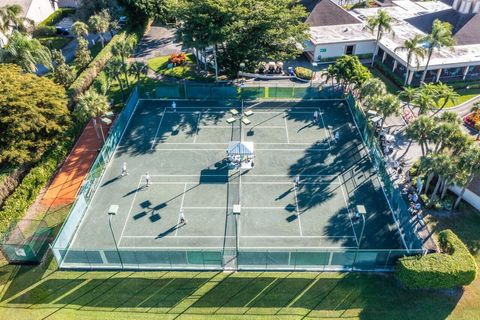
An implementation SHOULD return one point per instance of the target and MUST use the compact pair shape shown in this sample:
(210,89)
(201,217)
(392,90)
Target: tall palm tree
(372,87)
(421,130)
(79,29)
(90,105)
(114,70)
(441,36)
(408,94)
(137,69)
(386,104)
(25,52)
(100,24)
(381,24)
(123,49)
(424,100)
(444,95)
(414,50)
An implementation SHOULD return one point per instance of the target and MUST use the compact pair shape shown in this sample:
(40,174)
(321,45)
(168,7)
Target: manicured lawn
(465,95)
(187,71)
(40,292)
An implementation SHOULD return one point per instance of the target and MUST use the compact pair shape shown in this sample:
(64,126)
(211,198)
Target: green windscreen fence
(394,196)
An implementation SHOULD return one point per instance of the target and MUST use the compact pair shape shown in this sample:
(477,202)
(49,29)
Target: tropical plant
(62,72)
(421,130)
(408,94)
(379,24)
(424,99)
(386,105)
(11,18)
(371,88)
(444,94)
(441,36)
(25,52)
(114,69)
(79,29)
(91,105)
(123,49)
(470,161)
(100,24)
(414,49)
(82,54)
(33,112)
(349,72)
(137,69)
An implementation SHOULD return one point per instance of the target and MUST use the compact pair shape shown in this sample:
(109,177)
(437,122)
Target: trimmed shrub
(454,267)
(44,31)
(56,16)
(303,73)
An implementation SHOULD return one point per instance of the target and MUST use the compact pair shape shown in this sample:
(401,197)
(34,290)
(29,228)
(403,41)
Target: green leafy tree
(114,70)
(137,69)
(123,49)
(387,105)
(33,112)
(79,29)
(421,130)
(100,24)
(82,55)
(25,52)
(349,72)
(470,161)
(424,99)
(441,36)
(408,94)
(161,10)
(379,24)
(414,49)
(62,72)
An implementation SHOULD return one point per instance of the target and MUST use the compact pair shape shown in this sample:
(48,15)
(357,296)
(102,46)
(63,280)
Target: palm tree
(79,29)
(441,36)
(421,130)
(414,49)
(91,105)
(442,164)
(123,49)
(100,25)
(137,69)
(424,100)
(381,24)
(444,95)
(10,16)
(372,87)
(470,160)
(331,74)
(408,94)
(25,52)
(114,69)
(387,105)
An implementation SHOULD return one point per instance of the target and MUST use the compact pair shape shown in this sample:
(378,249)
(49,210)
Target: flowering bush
(178,59)
(473,120)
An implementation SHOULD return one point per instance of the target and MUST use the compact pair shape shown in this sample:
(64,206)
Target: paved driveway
(158,41)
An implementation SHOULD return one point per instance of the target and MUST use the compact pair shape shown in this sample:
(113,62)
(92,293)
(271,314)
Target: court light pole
(361,212)
(112,211)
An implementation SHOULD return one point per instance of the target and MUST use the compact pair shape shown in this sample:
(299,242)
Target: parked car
(62,31)
(122,21)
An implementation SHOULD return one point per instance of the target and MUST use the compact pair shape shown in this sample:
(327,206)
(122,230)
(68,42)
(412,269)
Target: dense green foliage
(348,72)
(244,31)
(56,16)
(303,73)
(33,114)
(162,10)
(454,267)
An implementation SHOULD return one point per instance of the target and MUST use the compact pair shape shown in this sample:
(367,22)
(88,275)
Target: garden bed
(162,65)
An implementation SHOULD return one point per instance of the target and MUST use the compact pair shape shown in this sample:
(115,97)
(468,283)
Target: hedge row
(303,73)
(86,78)
(56,16)
(25,194)
(455,267)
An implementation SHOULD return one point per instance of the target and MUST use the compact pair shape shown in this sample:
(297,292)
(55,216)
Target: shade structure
(241,148)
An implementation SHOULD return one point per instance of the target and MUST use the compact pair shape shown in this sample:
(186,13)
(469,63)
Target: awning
(244,148)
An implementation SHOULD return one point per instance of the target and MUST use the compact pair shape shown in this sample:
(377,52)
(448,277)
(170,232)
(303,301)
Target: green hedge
(56,16)
(86,78)
(44,31)
(455,267)
(303,73)
(25,194)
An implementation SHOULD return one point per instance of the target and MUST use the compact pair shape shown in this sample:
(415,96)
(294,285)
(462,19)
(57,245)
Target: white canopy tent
(241,153)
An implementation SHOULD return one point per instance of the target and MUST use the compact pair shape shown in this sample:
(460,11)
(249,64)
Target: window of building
(349,50)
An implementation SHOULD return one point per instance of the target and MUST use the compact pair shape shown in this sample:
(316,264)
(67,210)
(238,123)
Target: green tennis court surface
(184,152)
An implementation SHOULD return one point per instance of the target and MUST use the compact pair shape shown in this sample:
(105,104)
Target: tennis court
(183,152)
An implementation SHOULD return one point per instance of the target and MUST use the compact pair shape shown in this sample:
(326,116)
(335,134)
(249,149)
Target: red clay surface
(64,187)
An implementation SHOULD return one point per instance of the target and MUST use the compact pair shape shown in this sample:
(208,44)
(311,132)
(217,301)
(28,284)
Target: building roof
(327,13)
(466,27)
(25,4)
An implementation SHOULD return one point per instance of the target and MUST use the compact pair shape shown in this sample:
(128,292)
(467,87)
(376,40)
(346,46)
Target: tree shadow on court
(321,295)
(143,136)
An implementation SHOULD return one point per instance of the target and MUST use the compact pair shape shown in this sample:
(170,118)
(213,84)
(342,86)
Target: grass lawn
(187,71)
(41,292)
(465,95)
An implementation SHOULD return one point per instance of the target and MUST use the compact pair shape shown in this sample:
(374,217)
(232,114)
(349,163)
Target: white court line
(181,207)
(272,248)
(196,131)
(223,149)
(260,143)
(298,211)
(158,128)
(348,209)
(250,175)
(286,126)
(269,236)
(230,127)
(130,211)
